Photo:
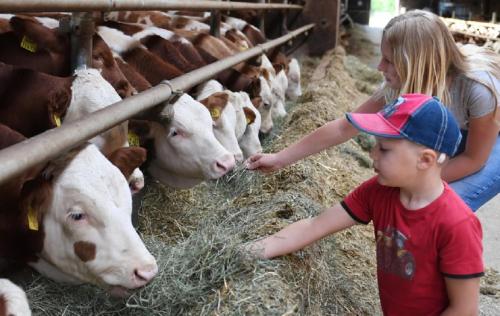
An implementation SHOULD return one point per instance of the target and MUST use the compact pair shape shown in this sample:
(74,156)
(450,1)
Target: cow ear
(265,73)
(215,103)
(249,115)
(257,102)
(57,104)
(255,87)
(278,67)
(127,159)
(141,129)
(34,199)
(34,35)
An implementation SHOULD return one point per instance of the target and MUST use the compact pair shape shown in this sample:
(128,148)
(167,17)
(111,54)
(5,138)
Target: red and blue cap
(417,117)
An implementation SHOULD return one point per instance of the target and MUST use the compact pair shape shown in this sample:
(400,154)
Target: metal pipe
(41,148)
(11,6)
(215,18)
(82,26)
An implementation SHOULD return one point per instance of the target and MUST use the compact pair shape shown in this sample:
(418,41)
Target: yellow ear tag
(215,113)
(32,218)
(57,119)
(133,139)
(28,44)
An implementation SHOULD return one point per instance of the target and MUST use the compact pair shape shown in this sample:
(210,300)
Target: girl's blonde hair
(427,58)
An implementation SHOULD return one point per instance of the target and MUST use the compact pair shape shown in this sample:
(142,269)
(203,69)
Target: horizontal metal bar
(11,6)
(43,147)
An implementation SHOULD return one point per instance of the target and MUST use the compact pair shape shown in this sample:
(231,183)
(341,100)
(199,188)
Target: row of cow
(70,219)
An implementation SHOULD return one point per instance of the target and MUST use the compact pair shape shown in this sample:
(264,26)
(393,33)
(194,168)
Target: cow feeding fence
(43,147)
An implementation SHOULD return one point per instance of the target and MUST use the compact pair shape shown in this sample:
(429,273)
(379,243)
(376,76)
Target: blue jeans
(482,186)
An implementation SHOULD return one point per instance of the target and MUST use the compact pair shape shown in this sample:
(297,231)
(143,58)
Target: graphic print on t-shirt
(392,257)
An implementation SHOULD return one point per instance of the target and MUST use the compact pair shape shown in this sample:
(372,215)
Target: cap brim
(374,124)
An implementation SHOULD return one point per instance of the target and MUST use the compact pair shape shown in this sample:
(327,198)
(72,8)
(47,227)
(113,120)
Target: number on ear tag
(215,113)
(133,139)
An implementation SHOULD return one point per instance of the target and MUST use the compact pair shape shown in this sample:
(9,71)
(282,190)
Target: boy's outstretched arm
(302,233)
(463,295)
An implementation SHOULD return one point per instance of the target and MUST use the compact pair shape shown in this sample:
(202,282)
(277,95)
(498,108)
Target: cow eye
(77,216)
(173,133)
(267,104)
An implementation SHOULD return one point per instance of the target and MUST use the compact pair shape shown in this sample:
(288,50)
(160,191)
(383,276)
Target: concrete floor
(489,215)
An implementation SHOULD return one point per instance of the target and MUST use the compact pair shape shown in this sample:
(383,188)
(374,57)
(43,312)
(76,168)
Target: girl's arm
(302,233)
(332,133)
(482,135)
(463,295)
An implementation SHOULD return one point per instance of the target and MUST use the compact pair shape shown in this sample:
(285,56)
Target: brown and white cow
(43,101)
(32,44)
(13,301)
(237,125)
(185,151)
(72,221)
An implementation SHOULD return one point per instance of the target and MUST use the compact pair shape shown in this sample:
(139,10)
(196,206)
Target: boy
(429,250)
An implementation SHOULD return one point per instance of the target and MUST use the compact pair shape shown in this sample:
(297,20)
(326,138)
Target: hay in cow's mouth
(196,234)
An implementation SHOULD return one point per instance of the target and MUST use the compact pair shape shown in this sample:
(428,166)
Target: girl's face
(395,161)
(387,67)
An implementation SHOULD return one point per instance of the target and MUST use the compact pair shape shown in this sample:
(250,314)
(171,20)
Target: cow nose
(225,164)
(146,274)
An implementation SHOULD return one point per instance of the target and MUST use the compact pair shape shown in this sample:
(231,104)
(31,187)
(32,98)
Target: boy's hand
(264,162)
(251,250)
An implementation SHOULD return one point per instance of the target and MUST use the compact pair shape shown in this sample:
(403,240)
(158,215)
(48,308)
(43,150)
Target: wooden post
(326,15)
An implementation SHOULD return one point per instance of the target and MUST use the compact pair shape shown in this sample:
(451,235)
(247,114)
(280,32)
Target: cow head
(294,89)
(221,108)
(90,92)
(81,209)
(186,151)
(250,142)
(102,59)
(264,103)
(279,85)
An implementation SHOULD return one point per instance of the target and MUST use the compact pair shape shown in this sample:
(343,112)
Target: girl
(419,55)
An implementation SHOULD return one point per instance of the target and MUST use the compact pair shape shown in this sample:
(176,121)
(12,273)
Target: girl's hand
(264,162)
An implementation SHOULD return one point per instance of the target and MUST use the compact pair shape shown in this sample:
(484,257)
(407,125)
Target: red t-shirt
(416,249)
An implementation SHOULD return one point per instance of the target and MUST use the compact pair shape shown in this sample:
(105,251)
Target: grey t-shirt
(470,99)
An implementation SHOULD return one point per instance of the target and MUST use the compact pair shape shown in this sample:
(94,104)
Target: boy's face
(395,161)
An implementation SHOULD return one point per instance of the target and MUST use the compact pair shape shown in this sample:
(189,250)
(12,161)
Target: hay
(197,234)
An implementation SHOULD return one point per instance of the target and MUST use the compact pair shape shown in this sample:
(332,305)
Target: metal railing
(43,147)
(12,6)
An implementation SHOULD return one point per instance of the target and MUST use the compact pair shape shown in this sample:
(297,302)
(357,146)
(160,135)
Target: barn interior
(198,234)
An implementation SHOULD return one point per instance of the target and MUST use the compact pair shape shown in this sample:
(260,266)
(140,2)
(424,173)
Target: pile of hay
(198,235)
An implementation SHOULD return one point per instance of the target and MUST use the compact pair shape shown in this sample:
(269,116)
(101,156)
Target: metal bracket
(175,93)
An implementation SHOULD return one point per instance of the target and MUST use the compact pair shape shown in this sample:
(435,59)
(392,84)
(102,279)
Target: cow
(253,34)
(222,111)
(237,125)
(44,102)
(294,90)
(278,83)
(133,52)
(184,149)
(292,70)
(13,300)
(33,45)
(249,141)
(71,220)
